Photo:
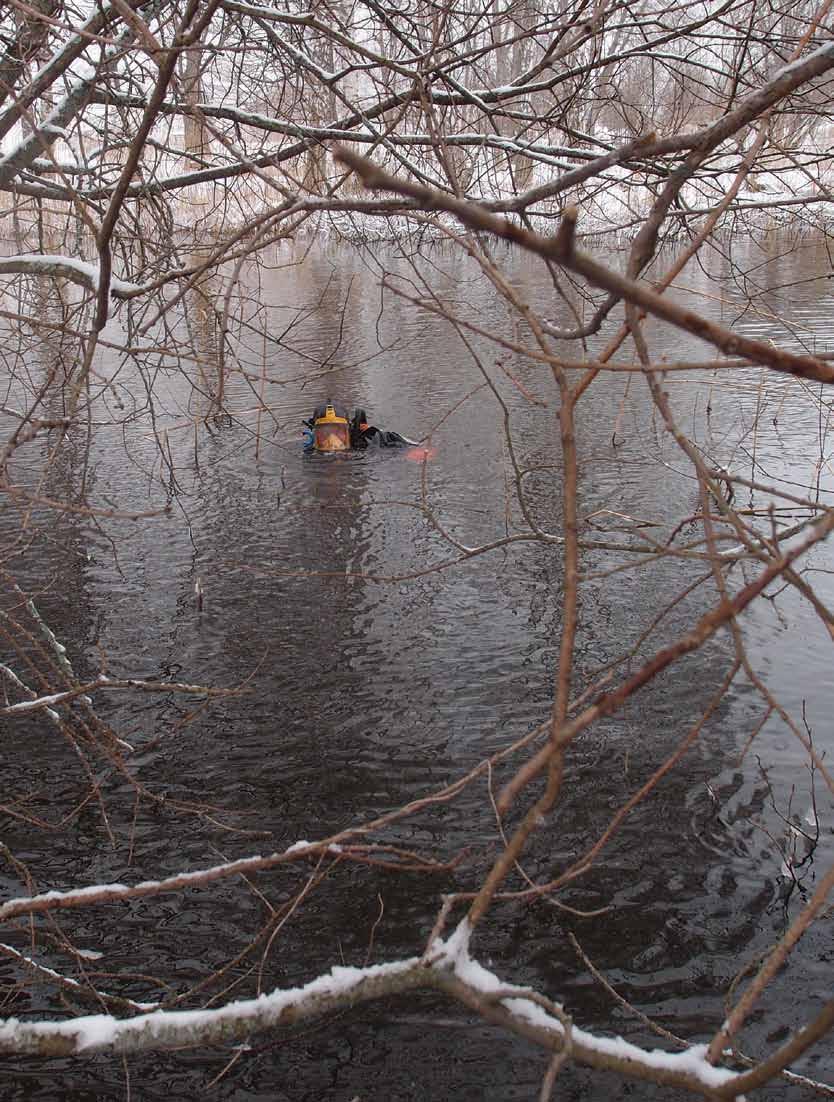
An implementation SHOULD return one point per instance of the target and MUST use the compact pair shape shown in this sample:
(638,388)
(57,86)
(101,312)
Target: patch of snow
(42,968)
(38,702)
(297,846)
(82,69)
(822,51)
(456,949)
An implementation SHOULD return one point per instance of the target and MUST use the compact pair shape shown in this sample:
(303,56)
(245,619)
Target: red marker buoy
(420,455)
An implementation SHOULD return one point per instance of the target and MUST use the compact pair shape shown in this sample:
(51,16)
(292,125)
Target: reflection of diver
(331,430)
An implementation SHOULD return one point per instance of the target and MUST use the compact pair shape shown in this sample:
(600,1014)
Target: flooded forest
(416,601)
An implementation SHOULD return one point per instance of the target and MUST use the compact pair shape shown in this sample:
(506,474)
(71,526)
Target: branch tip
(563,242)
(364,169)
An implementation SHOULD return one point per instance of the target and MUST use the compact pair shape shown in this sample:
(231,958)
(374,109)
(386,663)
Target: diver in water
(331,430)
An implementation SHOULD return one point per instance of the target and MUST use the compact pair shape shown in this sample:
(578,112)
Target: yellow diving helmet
(331,429)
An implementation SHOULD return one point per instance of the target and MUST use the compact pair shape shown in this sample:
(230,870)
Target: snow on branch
(79,990)
(526,1012)
(35,704)
(77,271)
(561,249)
(235,1021)
(54,126)
(107,893)
(448,968)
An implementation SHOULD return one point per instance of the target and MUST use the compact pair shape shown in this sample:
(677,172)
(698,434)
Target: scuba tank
(358,428)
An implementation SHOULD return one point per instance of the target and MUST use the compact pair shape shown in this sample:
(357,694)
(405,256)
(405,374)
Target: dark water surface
(377,680)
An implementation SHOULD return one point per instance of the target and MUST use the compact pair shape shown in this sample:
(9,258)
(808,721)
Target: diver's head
(331,430)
